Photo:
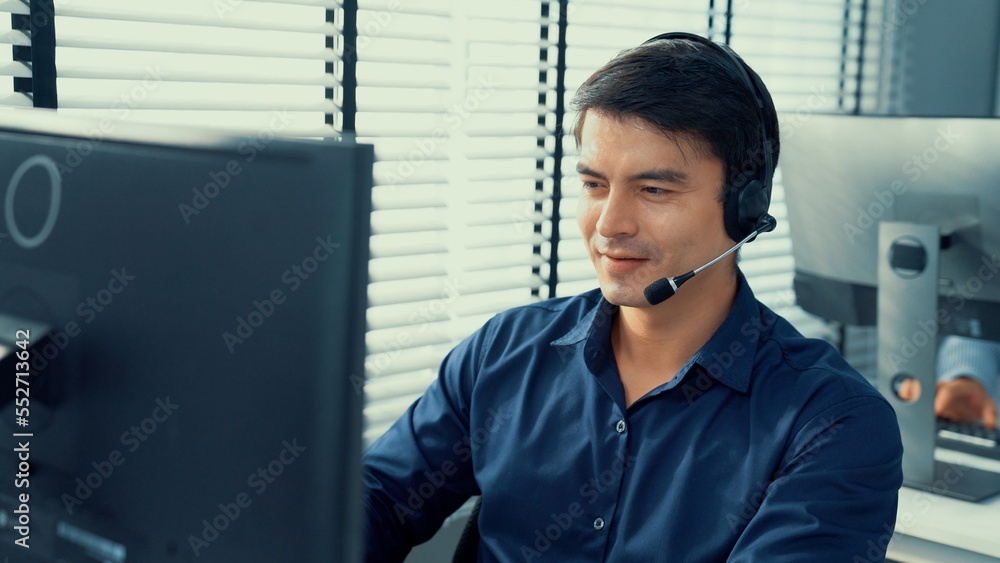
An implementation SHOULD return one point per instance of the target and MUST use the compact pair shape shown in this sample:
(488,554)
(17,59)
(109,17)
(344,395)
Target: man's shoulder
(811,364)
(530,328)
(811,378)
(560,311)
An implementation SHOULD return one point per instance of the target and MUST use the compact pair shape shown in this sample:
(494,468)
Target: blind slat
(13,37)
(19,70)
(14,7)
(321,3)
(99,73)
(179,46)
(15,100)
(73,102)
(408,291)
(210,19)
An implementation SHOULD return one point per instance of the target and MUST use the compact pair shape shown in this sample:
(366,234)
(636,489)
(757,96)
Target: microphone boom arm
(736,247)
(664,288)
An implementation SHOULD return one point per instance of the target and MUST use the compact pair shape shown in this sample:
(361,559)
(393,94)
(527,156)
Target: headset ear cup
(753,203)
(731,216)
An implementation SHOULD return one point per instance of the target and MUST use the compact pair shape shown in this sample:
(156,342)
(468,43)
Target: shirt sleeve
(420,470)
(834,495)
(977,359)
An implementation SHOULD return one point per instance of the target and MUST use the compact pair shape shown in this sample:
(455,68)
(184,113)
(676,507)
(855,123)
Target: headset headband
(743,218)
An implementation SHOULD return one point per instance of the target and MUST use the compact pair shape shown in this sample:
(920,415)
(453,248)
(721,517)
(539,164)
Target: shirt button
(620,427)
(599,524)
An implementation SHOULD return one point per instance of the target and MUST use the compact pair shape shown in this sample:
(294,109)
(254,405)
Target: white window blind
(808,54)
(454,96)
(234,64)
(10,68)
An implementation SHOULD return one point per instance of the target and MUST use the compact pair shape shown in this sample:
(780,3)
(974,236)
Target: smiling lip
(621,265)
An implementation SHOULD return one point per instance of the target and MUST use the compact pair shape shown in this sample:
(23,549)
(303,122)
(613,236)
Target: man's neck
(664,337)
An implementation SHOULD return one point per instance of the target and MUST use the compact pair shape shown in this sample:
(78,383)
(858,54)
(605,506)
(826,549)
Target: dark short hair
(689,91)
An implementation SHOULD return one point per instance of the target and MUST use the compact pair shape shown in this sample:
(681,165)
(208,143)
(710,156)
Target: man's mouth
(621,256)
(620,263)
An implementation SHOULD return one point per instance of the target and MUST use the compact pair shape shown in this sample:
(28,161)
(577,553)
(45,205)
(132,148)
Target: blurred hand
(964,399)
(909,390)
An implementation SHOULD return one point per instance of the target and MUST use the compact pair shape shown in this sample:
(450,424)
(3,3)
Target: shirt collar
(728,356)
(599,316)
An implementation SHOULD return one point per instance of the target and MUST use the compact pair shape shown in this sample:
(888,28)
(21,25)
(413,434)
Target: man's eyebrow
(585,170)
(669,175)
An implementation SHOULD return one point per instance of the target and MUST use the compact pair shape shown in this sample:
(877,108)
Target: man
(967,372)
(605,428)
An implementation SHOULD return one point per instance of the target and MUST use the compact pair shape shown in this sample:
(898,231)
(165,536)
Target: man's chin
(624,295)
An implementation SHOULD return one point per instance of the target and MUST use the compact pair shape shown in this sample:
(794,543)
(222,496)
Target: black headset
(745,212)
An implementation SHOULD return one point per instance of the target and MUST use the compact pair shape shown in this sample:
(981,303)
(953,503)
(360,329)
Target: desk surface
(930,526)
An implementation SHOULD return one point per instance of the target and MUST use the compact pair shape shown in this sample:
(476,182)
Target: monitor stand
(908,322)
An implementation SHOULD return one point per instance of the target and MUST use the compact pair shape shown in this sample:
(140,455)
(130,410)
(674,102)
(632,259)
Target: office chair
(467,550)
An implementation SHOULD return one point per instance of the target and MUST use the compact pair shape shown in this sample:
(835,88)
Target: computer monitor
(844,174)
(894,223)
(193,305)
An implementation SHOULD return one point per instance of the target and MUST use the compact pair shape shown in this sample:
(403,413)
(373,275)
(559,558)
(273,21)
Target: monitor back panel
(198,397)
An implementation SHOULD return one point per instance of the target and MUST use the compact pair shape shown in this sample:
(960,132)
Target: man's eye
(590,185)
(655,191)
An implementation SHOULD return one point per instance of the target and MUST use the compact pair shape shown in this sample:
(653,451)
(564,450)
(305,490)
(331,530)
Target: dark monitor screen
(843,175)
(192,307)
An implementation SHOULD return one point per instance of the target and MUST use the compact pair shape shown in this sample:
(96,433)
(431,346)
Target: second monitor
(846,174)
(893,222)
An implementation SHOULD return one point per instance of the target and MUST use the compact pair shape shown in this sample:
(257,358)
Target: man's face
(650,205)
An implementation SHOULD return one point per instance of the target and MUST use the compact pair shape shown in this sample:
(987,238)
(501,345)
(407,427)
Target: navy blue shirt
(765,446)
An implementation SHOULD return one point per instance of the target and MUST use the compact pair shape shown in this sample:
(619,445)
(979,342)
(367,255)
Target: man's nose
(618,215)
